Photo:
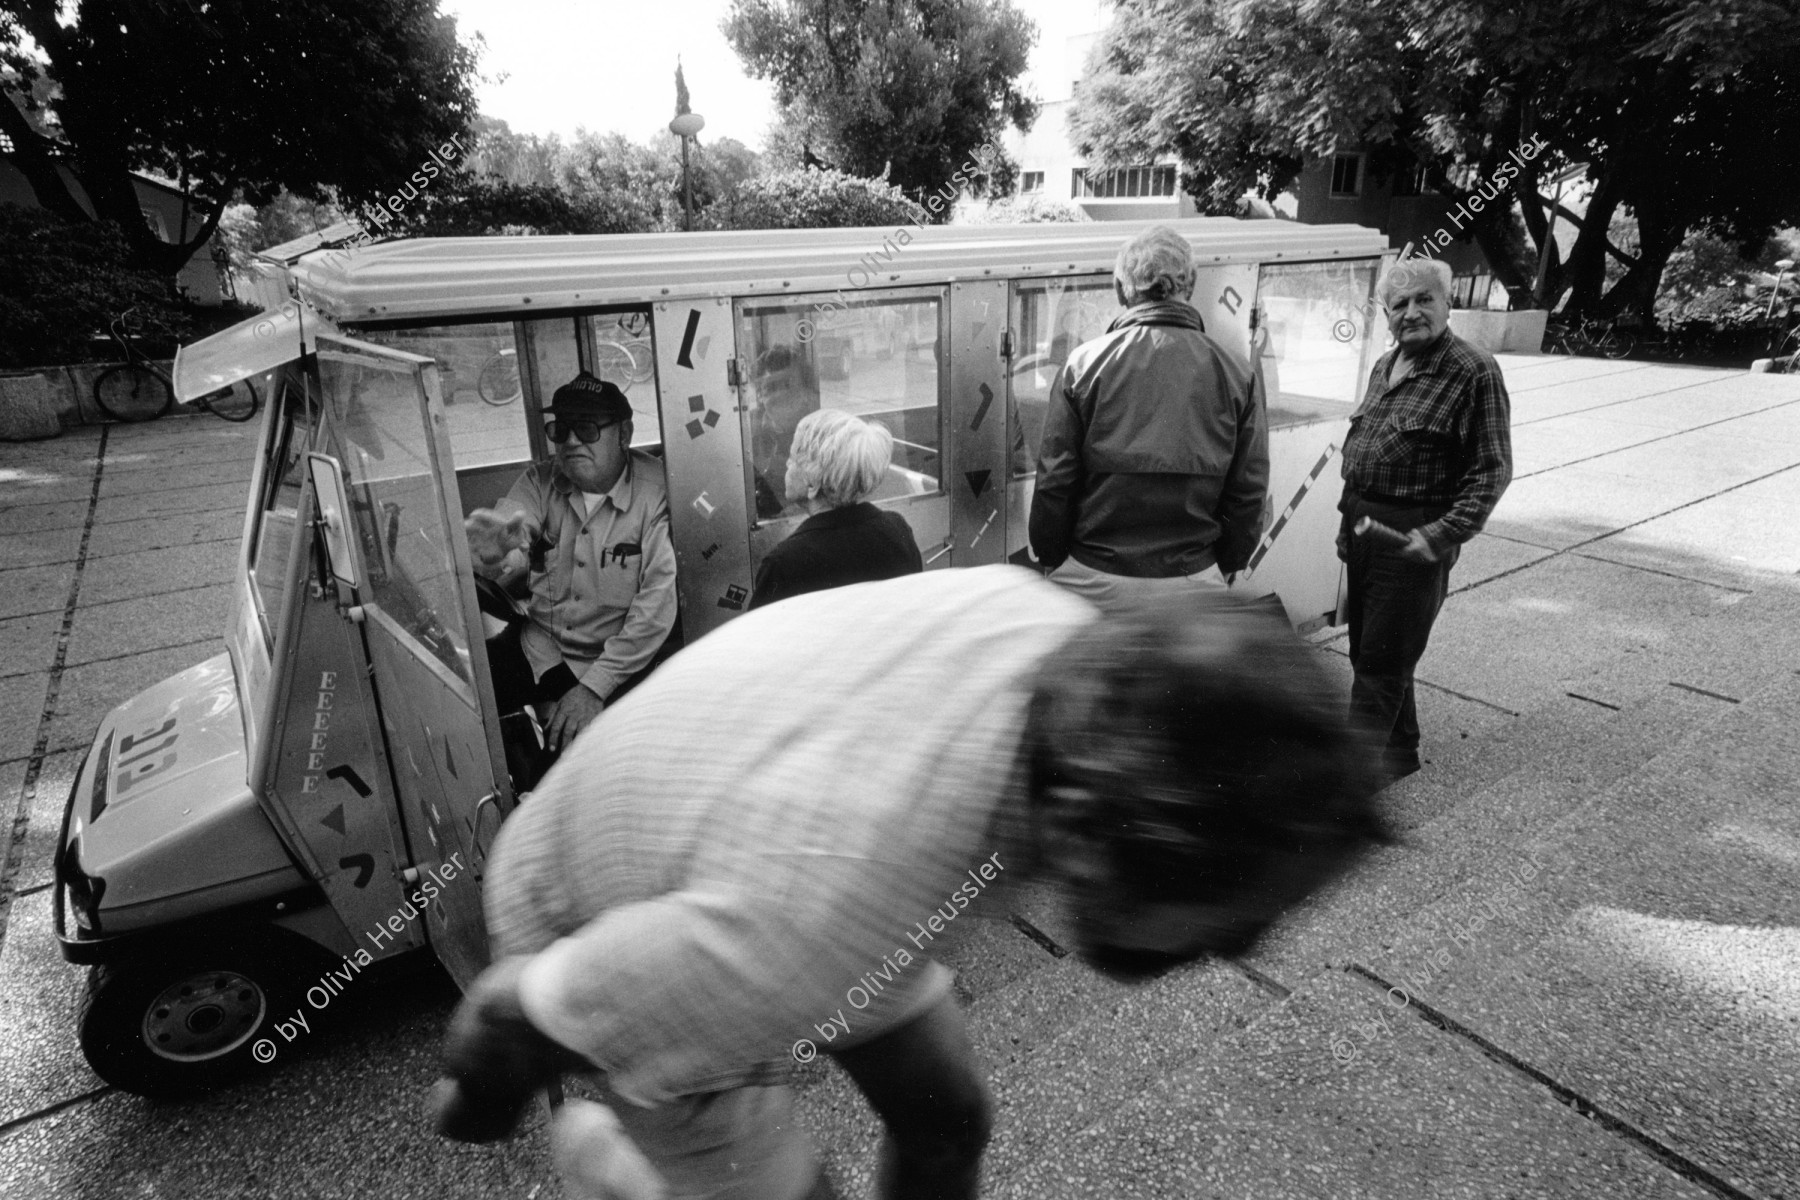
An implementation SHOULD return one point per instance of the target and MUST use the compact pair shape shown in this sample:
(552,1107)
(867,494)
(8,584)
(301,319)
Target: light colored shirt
(605,601)
(770,820)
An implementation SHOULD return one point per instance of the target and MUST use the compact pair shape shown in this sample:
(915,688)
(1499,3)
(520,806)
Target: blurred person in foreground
(837,462)
(694,894)
(1429,454)
(1153,471)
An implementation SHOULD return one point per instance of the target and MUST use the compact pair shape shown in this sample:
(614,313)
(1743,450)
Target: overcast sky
(553,65)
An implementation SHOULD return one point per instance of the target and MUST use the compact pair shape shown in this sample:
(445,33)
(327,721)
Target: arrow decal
(987,398)
(334,820)
(978,481)
(685,359)
(365,868)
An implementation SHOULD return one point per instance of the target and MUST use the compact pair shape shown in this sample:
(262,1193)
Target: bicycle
(138,390)
(1591,337)
(498,383)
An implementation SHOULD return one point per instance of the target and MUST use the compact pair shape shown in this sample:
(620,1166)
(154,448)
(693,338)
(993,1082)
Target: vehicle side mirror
(328,498)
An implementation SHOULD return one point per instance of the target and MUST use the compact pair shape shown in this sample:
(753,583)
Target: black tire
(189,1021)
(237,403)
(128,392)
(1617,343)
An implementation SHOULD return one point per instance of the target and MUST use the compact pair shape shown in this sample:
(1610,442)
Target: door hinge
(733,376)
(1006,345)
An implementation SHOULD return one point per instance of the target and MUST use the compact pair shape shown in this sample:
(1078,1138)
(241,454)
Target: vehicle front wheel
(190,1021)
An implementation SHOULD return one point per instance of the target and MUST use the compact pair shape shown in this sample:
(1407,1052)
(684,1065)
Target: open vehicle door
(398,552)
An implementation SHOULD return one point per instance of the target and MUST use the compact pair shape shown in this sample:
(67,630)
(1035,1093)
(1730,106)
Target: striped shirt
(1442,436)
(763,825)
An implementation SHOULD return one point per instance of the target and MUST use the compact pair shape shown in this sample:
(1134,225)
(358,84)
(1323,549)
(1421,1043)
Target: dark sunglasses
(588,431)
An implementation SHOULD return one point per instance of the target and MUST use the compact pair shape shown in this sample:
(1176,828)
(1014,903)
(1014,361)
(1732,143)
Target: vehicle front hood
(163,808)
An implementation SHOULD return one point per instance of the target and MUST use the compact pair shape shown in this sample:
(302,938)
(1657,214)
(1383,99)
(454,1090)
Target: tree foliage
(902,90)
(311,96)
(62,281)
(815,199)
(1683,111)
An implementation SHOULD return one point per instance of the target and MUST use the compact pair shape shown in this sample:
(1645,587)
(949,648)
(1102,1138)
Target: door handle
(940,551)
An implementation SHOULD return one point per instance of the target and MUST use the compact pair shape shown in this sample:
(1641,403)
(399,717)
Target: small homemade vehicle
(248,837)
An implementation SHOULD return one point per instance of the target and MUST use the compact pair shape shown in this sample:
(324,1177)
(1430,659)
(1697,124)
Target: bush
(1019,210)
(813,199)
(61,282)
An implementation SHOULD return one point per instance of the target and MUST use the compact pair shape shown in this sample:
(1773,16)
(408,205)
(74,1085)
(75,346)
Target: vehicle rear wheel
(190,1021)
(128,392)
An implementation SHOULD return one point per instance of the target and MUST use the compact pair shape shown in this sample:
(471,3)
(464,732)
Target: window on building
(1410,180)
(1030,182)
(1126,183)
(1346,175)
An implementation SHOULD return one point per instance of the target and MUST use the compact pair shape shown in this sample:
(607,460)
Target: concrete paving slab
(155,533)
(184,618)
(1536,635)
(1776,424)
(40,1057)
(25,590)
(1691,407)
(1707,460)
(1559,441)
(1273,1113)
(338,1115)
(156,437)
(1728,538)
(218,497)
(28,644)
(21,706)
(153,572)
(1488,557)
(185,467)
(40,547)
(46,483)
(37,867)
(90,691)
(1602,394)
(1539,371)
(1658,960)
(1572,505)
(26,518)
(72,443)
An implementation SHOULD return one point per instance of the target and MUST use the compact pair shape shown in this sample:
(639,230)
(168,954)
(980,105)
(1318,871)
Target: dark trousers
(1390,607)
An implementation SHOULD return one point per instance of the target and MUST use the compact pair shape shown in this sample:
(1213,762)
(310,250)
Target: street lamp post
(685,127)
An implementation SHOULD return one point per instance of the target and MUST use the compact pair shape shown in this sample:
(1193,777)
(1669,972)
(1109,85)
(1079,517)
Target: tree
(224,97)
(904,90)
(814,199)
(1683,111)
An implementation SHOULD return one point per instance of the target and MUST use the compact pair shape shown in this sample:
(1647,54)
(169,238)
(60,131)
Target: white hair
(1409,273)
(1157,264)
(844,457)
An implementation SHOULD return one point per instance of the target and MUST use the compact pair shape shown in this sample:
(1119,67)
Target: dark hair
(1205,747)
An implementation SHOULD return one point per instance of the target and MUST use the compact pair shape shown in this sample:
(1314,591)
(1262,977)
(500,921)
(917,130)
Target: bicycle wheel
(614,363)
(236,403)
(643,362)
(129,392)
(498,382)
(1616,343)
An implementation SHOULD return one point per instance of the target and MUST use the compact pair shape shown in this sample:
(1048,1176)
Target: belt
(1398,501)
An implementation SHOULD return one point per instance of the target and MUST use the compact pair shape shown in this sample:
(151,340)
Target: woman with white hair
(1154,466)
(836,463)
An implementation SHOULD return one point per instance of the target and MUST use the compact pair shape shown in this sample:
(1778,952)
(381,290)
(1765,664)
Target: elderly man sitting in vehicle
(594,523)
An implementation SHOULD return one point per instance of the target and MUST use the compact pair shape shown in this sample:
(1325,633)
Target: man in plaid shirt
(1429,454)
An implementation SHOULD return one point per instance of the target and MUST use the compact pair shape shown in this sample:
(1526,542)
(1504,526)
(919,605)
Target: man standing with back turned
(1428,455)
(1154,466)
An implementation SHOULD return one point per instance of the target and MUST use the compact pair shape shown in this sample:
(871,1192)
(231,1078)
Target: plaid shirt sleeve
(1442,435)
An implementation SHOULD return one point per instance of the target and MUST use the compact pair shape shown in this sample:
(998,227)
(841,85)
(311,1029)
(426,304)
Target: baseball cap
(590,397)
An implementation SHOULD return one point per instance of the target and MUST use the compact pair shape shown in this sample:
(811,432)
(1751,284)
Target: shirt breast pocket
(1417,434)
(621,568)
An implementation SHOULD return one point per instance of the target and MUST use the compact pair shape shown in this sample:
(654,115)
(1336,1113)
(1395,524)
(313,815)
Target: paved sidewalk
(1592,932)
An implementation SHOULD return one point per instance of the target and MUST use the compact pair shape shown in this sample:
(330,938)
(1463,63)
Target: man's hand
(495,1059)
(1417,549)
(569,716)
(492,538)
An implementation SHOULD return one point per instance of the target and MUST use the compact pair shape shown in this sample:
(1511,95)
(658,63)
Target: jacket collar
(837,518)
(1423,364)
(1160,312)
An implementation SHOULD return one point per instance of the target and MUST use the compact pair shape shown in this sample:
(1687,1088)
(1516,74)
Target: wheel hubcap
(204,1016)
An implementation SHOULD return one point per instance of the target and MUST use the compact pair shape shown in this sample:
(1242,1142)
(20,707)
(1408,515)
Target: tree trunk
(1586,273)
